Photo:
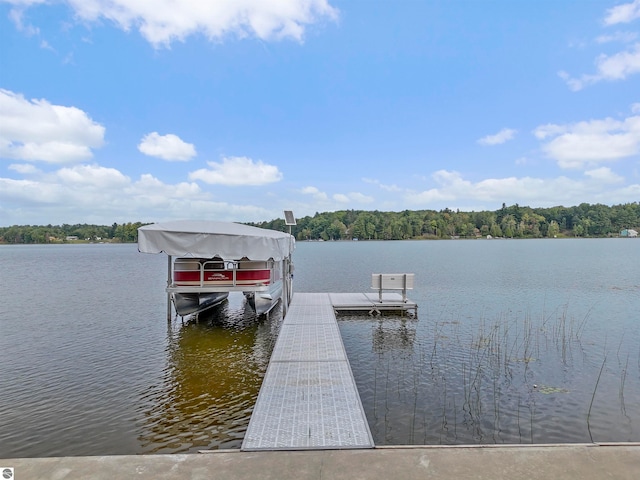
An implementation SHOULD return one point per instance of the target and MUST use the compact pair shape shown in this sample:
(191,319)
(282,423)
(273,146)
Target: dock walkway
(308,398)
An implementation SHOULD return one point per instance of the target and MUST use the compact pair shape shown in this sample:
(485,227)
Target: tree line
(26,234)
(515,221)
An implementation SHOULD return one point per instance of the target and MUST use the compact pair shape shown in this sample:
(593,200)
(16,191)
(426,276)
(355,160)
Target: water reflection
(214,369)
(394,333)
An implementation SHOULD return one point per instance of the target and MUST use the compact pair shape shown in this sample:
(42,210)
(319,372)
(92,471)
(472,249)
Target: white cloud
(31,192)
(168,147)
(16,16)
(617,66)
(95,194)
(315,193)
(336,201)
(353,197)
(624,13)
(25,3)
(360,197)
(36,130)
(388,188)
(591,142)
(93,176)
(635,108)
(604,175)
(502,136)
(624,37)
(237,171)
(452,188)
(609,68)
(574,84)
(620,65)
(24,168)
(46,46)
(549,130)
(162,22)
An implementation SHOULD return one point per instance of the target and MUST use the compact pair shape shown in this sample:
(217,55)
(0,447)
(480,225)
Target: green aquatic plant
(524,360)
(548,390)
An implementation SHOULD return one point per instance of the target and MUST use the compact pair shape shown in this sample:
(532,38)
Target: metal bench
(392,281)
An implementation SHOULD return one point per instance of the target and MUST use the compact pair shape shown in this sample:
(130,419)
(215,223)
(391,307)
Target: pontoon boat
(208,260)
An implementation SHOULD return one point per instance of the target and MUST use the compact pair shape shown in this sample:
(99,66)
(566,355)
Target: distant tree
(508,225)
(495,231)
(553,230)
(337,230)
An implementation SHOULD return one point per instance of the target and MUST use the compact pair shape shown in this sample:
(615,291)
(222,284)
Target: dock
(308,398)
(372,303)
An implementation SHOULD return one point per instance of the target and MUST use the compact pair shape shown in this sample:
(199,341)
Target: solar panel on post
(289,219)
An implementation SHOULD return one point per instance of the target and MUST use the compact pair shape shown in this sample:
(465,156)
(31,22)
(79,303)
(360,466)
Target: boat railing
(207,273)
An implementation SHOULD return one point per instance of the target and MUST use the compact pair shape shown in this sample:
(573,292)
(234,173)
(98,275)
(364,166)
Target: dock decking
(308,398)
(371,302)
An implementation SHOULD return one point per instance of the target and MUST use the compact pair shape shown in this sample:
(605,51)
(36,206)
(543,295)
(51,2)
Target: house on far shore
(628,232)
(71,238)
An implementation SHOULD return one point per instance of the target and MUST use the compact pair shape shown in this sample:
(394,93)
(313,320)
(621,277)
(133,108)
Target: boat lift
(233,243)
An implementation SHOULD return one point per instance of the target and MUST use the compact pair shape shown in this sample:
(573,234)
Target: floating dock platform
(373,303)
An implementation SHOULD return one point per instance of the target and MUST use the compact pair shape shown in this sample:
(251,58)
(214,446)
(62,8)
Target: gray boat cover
(205,239)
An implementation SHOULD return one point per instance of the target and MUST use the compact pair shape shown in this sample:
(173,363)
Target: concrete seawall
(583,461)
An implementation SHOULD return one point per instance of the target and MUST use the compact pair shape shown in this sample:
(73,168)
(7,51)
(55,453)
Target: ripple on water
(91,367)
(210,383)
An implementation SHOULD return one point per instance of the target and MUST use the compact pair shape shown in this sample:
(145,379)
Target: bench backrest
(392,281)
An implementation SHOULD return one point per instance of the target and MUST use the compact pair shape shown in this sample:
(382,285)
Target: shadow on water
(213,372)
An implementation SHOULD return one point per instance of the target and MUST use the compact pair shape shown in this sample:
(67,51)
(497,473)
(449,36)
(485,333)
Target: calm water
(527,341)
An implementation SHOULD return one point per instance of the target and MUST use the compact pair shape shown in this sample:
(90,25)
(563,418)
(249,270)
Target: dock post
(404,288)
(168,284)
(285,290)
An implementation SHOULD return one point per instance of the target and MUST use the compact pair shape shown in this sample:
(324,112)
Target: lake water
(516,341)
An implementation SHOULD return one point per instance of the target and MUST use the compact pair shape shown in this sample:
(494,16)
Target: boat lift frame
(287,281)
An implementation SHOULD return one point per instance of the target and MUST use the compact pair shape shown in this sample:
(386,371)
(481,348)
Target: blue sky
(130,110)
